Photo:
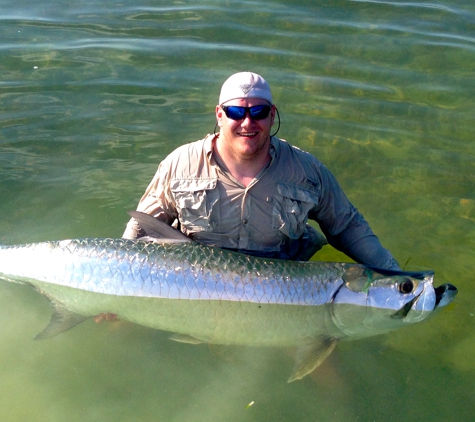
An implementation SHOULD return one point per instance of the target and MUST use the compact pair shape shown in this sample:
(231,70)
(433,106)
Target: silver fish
(204,294)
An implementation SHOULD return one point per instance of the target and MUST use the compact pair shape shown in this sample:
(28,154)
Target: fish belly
(211,321)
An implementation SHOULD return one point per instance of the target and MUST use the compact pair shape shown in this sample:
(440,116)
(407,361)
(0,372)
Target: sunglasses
(258,112)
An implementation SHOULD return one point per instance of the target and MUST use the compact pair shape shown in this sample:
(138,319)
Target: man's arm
(346,229)
(359,242)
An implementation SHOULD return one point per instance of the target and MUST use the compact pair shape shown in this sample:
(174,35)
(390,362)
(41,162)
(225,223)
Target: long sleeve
(359,242)
(156,201)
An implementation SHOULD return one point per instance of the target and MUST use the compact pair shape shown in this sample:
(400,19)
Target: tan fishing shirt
(268,217)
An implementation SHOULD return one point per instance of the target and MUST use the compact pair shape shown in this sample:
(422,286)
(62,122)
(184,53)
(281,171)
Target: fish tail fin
(62,320)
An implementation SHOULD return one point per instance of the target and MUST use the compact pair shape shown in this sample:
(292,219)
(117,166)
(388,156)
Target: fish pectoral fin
(312,355)
(61,320)
(185,338)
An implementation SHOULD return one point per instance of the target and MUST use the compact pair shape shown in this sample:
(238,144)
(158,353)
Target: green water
(93,94)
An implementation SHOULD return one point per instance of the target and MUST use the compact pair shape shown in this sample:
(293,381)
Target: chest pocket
(291,207)
(194,200)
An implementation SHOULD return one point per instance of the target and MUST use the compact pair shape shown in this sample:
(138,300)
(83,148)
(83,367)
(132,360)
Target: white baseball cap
(245,85)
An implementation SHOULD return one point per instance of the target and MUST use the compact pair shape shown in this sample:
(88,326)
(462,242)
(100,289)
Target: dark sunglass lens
(259,112)
(235,112)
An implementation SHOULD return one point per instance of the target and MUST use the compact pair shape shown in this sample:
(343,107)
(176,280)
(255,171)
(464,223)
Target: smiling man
(247,190)
(244,140)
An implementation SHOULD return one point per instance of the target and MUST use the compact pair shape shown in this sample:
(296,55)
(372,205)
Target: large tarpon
(207,294)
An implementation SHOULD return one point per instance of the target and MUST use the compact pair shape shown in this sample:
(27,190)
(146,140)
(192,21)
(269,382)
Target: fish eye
(406,286)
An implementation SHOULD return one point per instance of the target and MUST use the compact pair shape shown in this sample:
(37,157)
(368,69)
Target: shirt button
(244,221)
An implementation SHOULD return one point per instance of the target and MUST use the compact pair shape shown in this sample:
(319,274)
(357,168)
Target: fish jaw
(430,301)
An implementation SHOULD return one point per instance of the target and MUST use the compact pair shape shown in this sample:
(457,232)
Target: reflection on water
(94,95)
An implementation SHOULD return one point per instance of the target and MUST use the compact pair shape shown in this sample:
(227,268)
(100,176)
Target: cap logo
(246,88)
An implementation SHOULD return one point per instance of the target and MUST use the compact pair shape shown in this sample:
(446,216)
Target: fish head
(375,301)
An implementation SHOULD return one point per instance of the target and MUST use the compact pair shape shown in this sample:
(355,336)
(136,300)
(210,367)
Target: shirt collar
(208,144)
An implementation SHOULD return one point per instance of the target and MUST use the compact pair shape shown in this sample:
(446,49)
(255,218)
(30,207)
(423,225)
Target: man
(246,190)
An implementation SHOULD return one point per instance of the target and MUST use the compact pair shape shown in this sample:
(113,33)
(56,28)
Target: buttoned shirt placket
(244,234)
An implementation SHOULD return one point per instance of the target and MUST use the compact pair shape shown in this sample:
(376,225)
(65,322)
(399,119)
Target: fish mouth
(444,294)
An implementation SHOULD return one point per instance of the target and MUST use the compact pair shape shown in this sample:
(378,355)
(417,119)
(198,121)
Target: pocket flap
(192,185)
(297,193)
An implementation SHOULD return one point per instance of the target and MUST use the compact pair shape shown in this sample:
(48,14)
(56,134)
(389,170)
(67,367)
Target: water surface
(94,94)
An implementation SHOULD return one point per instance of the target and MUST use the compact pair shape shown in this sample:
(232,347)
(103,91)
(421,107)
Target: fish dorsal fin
(61,320)
(312,355)
(158,229)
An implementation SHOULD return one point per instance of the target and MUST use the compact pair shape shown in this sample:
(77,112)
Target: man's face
(246,138)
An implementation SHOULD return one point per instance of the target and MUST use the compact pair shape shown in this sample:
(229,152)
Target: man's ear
(219,115)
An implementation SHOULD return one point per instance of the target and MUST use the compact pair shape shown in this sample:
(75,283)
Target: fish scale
(192,271)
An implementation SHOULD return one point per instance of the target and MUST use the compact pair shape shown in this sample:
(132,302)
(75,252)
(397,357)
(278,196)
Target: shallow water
(93,95)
